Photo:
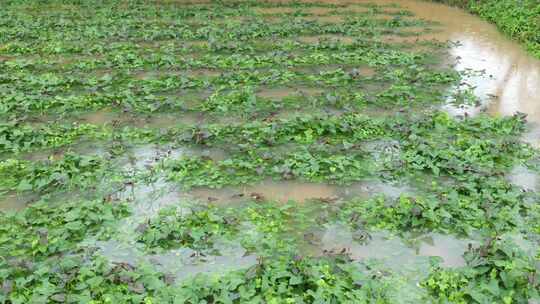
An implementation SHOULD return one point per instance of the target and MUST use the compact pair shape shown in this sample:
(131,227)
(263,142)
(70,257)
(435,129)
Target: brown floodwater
(510,83)
(156,120)
(317,38)
(282,92)
(148,75)
(14,202)
(280,191)
(511,80)
(297,191)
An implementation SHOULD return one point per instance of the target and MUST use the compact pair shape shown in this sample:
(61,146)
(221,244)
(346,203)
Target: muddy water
(318,38)
(146,75)
(511,81)
(108,116)
(297,191)
(15,202)
(392,250)
(283,92)
(280,191)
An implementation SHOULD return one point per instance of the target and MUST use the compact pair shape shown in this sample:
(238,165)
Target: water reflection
(511,80)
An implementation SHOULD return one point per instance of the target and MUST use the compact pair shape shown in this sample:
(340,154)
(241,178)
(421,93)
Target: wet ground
(510,77)
(506,80)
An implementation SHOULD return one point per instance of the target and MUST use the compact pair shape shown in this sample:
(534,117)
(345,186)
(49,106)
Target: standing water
(511,77)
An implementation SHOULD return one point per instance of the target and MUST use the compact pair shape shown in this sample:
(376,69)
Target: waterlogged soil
(513,76)
(274,152)
(393,251)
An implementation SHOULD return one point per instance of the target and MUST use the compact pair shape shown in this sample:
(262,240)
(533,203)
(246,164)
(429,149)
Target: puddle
(187,99)
(147,156)
(118,252)
(321,38)
(380,251)
(353,71)
(169,120)
(392,250)
(83,148)
(15,202)
(530,247)
(280,93)
(274,10)
(146,200)
(524,178)
(447,247)
(288,114)
(384,149)
(149,75)
(410,36)
(179,264)
(388,15)
(100,117)
(532,135)
(280,191)
(297,191)
(325,19)
(213,153)
(5,58)
(374,188)
(156,120)
(144,157)
(53,155)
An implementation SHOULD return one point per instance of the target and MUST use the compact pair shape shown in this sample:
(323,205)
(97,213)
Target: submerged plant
(233,103)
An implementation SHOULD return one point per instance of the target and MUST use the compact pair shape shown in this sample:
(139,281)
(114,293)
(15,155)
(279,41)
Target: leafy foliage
(195,230)
(497,271)
(291,280)
(299,92)
(72,170)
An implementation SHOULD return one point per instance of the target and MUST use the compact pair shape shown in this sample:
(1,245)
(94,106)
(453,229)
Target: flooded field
(266,152)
